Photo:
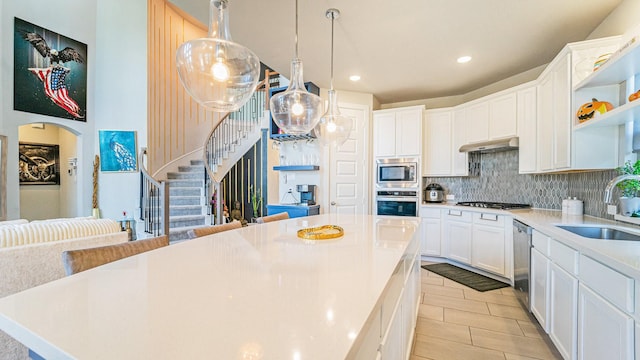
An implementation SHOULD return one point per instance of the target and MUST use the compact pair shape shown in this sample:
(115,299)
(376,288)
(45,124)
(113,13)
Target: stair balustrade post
(164,196)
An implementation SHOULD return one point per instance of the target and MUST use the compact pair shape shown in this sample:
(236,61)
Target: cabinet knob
(333,203)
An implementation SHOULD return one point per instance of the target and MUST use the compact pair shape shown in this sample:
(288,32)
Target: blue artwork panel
(118,150)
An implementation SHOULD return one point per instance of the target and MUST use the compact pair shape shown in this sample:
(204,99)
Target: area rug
(465,277)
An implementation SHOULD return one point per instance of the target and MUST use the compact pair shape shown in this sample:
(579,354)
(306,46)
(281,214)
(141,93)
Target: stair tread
(185,217)
(185,228)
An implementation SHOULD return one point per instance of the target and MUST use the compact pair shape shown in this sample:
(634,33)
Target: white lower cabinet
(538,292)
(457,234)
(637,341)
(431,232)
(480,239)
(389,335)
(585,306)
(605,332)
(488,243)
(563,305)
(392,341)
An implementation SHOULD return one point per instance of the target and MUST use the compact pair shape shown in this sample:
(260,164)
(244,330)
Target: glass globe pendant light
(333,127)
(296,111)
(216,72)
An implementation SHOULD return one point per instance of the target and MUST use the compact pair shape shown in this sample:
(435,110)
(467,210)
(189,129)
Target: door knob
(333,203)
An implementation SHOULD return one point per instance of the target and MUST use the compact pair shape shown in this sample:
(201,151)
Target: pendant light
(216,72)
(296,111)
(333,128)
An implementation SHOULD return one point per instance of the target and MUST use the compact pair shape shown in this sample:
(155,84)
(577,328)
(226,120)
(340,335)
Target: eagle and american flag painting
(50,73)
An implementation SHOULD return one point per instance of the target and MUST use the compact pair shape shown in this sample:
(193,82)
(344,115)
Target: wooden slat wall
(176,124)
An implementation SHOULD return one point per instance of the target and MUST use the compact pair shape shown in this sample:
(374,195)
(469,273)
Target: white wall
(116,92)
(121,94)
(68,176)
(621,19)
(55,17)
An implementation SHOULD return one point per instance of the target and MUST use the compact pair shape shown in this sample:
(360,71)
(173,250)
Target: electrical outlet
(612,209)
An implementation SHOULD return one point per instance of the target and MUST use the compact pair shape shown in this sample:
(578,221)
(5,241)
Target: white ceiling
(407,50)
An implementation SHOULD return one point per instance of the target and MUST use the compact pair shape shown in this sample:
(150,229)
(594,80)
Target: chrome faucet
(609,189)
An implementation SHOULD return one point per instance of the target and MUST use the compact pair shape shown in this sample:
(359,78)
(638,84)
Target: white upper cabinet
(492,117)
(527,129)
(554,126)
(444,133)
(477,116)
(384,132)
(398,132)
(559,146)
(438,148)
(545,124)
(460,160)
(502,116)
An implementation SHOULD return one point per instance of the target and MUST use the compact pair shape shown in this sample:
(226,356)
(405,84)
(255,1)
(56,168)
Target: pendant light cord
(332,20)
(296,39)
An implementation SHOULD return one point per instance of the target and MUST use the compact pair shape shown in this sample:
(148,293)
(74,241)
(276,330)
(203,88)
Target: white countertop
(254,293)
(623,256)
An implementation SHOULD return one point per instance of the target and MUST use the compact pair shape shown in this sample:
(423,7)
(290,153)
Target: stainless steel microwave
(397,173)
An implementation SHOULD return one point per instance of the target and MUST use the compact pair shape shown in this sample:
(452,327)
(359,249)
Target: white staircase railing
(222,142)
(154,201)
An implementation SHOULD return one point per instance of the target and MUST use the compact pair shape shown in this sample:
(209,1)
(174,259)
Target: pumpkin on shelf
(588,110)
(634,96)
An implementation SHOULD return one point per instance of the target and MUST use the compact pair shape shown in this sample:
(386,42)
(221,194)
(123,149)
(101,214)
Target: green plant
(256,199)
(629,188)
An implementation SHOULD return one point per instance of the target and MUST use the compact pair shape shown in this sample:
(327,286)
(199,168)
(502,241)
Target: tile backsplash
(498,180)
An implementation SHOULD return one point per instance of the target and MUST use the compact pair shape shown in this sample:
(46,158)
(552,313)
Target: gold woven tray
(324,232)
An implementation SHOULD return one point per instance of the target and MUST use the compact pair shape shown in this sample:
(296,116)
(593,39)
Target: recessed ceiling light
(464,59)
(354,77)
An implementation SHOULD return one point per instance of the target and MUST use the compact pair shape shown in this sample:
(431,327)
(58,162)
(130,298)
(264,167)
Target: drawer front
(541,242)
(608,283)
(488,219)
(564,256)
(429,212)
(457,215)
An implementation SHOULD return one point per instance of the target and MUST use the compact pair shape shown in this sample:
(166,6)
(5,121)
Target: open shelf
(623,64)
(618,116)
(296,168)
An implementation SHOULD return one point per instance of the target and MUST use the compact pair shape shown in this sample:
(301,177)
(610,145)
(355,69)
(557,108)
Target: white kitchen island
(255,293)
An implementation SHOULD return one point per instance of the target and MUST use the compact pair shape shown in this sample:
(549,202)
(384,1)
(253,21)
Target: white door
(349,171)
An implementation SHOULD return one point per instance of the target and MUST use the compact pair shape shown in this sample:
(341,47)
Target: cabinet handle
(455,212)
(490,217)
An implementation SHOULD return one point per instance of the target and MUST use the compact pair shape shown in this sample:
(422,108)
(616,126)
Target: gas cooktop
(493,205)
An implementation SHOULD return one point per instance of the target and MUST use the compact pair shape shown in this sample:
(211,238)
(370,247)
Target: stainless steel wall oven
(398,202)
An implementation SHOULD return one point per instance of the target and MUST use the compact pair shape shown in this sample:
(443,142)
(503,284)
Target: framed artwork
(50,73)
(39,164)
(118,150)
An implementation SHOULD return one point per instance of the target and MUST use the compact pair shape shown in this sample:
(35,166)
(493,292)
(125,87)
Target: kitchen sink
(600,232)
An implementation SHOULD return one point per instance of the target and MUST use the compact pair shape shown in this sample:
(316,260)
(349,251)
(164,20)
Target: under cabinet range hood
(491,145)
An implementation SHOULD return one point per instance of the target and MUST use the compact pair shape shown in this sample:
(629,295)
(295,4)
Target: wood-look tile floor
(457,322)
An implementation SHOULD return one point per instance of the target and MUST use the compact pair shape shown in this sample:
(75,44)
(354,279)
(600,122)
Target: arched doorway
(48,171)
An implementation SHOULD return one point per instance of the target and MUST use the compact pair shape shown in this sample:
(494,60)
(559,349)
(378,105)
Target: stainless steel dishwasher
(522,261)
